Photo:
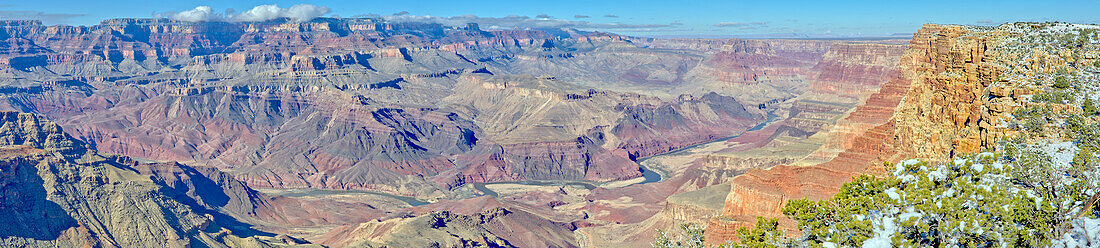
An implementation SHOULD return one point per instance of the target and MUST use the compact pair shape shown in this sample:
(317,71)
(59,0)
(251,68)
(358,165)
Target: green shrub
(1089,108)
(766,233)
(820,219)
(1085,134)
(984,200)
(1059,96)
(1034,118)
(1062,82)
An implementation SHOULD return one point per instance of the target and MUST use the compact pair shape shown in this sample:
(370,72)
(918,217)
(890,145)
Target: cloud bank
(298,13)
(198,14)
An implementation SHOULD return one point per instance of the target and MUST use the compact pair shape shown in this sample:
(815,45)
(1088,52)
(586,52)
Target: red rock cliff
(931,110)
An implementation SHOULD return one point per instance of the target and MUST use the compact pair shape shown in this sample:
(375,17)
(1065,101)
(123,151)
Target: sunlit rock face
(945,99)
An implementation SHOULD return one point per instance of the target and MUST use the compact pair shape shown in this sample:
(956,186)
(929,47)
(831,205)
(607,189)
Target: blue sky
(632,17)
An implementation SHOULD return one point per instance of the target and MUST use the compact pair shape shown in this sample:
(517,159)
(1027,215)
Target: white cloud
(306,12)
(260,13)
(198,14)
(298,13)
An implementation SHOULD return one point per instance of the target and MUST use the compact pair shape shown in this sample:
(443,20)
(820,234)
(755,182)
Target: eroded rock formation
(56,192)
(362,103)
(947,99)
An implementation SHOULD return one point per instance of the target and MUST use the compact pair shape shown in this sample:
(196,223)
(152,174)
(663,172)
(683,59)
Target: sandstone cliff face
(863,138)
(940,109)
(941,103)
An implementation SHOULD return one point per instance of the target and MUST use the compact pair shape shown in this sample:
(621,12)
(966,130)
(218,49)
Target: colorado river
(486,191)
(648,175)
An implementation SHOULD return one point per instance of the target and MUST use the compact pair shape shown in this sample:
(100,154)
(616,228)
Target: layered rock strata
(366,104)
(948,99)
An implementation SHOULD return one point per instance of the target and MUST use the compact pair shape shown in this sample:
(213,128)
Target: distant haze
(691,18)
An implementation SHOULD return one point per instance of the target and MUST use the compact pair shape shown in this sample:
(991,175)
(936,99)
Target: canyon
(368,133)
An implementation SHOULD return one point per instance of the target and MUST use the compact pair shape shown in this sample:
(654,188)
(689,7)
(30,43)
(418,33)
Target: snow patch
(893,193)
(884,230)
(1085,232)
(1061,153)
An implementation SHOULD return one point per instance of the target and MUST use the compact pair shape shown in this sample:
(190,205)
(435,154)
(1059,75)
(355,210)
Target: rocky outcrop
(941,116)
(697,205)
(228,200)
(57,193)
(649,130)
(939,105)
